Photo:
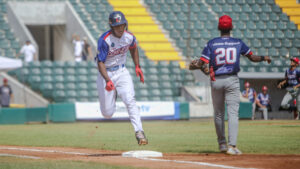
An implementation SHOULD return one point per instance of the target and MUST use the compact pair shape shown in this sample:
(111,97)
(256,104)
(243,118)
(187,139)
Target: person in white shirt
(29,52)
(78,47)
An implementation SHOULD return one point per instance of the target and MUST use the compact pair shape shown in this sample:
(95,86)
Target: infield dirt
(115,158)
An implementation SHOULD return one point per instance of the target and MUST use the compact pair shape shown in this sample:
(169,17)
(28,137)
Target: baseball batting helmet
(117,18)
(247,84)
(296,60)
(225,23)
(264,88)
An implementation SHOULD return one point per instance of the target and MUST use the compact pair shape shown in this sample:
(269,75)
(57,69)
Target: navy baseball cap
(117,18)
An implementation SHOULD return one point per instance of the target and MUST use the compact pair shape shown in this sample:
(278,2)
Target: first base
(142,154)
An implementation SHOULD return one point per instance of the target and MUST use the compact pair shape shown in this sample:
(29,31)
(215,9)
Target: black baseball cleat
(141,138)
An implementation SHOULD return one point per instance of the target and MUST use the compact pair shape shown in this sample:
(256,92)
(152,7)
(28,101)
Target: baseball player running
(220,59)
(292,79)
(113,78)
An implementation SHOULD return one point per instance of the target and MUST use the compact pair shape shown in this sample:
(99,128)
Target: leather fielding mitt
(199,64)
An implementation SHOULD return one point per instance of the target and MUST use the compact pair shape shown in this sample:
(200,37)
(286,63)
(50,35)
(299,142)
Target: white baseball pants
(125,90)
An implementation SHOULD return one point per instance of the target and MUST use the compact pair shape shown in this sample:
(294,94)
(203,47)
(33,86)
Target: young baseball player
(292,79)
(263,101)
(250,94)
(114,79)
(220,59)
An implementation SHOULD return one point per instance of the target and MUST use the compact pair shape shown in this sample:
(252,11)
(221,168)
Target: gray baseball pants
(287,98)
(226,89)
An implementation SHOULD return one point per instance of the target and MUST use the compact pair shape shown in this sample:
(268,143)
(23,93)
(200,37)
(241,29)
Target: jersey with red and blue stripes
(223,54)
(264,99)
(292,77)
(112,50)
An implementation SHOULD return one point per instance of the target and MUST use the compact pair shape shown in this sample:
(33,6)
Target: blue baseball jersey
(263,99)
(292,77)
(251,93)
(223,54)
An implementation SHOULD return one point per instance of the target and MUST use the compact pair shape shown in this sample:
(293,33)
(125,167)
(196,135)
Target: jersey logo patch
(113,45)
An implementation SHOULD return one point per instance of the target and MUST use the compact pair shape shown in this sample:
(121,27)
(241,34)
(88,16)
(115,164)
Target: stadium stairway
(292,9)
(150,37)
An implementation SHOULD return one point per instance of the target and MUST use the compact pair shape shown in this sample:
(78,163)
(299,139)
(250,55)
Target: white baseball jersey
(112,50)
(28,51)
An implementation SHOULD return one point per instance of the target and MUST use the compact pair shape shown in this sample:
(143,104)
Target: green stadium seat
(168,25)
(57,71)
(289,34)
(241,25)
(286,43)
(221,2)
(297,34)
(82,64)
(273,52)
(58,64)
(70,93)
(238,34)
(81,71)
(217,8)
(35,71)
(162,16)
(266,8)
(268,34)
(256,8)
(248,34)
(184,8)
(263,51)
(166,92)
(70,86)
(46,89)
(274,17)
(46,79)
(46,71)
(58,78)
(58,86)
(166,9)
(283,52)
(296,43)
(246,8)
(234,16)
(70,78)
(271,25)
(259,34)
(82,94)
(227,8)
(255,43)
(291,26)
(251,25)
(58,95)
(283,17)
(92,86)
(69,71)
(279,34)
(276,43)
(70,64)
(175,8)
(294,52)
(35,64)
(264,16)
(282,25)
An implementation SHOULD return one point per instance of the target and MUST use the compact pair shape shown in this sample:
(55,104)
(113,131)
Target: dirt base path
(174,161)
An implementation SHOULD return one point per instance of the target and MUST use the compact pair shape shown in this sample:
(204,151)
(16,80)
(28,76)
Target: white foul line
(19,156)
(196,163)
(47,151)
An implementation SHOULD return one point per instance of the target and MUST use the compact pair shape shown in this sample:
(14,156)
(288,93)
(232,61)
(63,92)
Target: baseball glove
(199,64)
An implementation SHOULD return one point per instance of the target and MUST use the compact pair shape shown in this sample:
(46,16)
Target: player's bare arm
(260,105)
(255,58)
(281,84)
(102,70)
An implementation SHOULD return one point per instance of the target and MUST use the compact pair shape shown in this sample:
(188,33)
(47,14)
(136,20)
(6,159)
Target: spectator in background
(250,94)
(5,94)
(87,50)
(263,102)
(78,47)
(29,52)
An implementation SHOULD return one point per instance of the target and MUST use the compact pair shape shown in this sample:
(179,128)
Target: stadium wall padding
(22,115)
(245,111)
(63,112)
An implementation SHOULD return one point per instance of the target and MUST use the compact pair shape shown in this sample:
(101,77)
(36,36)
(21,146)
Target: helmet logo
(118,18)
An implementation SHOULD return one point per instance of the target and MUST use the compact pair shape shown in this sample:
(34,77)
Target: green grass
(259,137)
(17,163)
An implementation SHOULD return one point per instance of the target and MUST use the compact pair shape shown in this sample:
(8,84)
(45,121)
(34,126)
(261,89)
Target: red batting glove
(212,74)
(139,72)
(109,86)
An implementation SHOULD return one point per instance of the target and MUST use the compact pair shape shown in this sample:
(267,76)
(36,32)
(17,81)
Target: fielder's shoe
(141,138)
(233,151)
(223,148)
